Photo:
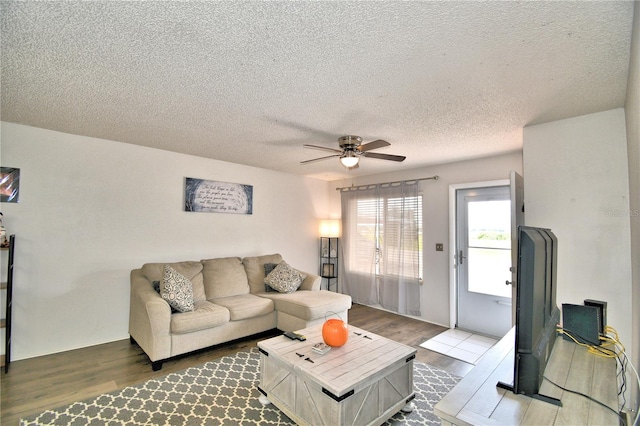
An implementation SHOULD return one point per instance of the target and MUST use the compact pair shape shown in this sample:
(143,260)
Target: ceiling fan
(352,150)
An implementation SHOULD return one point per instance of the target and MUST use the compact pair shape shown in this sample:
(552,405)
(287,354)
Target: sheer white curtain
(399,283)
(359,246)
(381,246)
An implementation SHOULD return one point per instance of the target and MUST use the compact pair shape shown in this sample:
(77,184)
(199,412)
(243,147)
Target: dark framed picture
(217,197)
(328,270)
(9,185)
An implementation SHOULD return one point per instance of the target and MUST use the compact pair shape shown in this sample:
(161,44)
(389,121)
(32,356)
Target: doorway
(483,259)
(515,183)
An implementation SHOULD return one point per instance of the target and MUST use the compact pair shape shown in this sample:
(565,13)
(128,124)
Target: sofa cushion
(205,315)
(177,290)
(284,278)
(224,277)
(191,270)
(254,267)
(245,306)
(310,305)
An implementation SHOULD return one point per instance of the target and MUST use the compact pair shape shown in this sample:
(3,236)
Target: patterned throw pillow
(177,290)
(284,278)
(156,287)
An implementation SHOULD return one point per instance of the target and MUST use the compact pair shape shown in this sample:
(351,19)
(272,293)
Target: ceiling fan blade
(321,158)
(373,145)
(384,156)
(323,148)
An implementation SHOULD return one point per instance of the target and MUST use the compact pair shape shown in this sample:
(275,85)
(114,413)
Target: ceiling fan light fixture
(349,159)
(351,149)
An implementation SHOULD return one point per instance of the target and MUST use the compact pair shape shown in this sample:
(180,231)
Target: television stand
(477,400)
(540,397)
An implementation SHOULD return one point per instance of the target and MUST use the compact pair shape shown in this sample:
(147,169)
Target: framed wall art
(217,197)
(9,185)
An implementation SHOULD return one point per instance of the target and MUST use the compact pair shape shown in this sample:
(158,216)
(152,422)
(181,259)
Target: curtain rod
(436,177)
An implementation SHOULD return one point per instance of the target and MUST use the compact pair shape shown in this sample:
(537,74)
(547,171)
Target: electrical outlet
(439,247)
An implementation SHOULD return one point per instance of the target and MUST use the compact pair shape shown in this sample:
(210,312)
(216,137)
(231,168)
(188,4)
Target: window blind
(376,234)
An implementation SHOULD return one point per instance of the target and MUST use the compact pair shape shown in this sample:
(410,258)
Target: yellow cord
(596,350)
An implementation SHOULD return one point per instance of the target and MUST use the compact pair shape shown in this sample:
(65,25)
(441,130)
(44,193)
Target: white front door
(484,260)
(516,188)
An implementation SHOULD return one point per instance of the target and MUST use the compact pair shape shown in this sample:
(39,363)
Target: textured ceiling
(251,82)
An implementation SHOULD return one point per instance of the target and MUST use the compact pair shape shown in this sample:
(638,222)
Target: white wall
(577,184)
(91,210)
(632,115)
(434,293)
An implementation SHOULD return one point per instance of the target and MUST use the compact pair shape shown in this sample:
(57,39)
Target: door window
(489,249)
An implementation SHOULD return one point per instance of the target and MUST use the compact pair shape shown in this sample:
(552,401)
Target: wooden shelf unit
(5,323)
(329,261)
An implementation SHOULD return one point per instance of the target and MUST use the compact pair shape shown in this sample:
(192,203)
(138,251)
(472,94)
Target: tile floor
(459,344)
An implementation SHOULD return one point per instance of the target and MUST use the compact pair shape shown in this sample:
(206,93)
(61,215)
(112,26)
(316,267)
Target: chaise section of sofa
(305,308)
(230,301)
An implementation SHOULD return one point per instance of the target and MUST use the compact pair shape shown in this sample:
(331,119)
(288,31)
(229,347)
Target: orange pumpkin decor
(335,332)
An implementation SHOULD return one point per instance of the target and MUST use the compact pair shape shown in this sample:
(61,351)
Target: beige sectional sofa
(230,301)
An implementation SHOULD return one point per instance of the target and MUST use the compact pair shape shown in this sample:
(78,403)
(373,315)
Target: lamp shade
(330,228)
(349,159)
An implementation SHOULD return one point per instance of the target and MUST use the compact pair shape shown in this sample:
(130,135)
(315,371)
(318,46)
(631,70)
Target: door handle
(512,270)
(460,257)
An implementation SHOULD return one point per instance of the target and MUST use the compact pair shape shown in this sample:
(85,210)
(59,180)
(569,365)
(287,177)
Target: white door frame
(453,276)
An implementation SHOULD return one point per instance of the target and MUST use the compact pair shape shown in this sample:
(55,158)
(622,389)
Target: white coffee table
(366,381)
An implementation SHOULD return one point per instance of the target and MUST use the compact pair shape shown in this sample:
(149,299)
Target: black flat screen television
(537,314)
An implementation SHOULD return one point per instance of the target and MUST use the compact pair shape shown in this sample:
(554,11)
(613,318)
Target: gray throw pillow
(284,278)
(177,290)
(268,267)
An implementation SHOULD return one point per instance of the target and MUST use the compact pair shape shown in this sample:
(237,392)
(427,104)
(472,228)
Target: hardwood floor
(37,384)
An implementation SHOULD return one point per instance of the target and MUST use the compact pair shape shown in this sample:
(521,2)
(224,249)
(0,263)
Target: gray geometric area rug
(221,392)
